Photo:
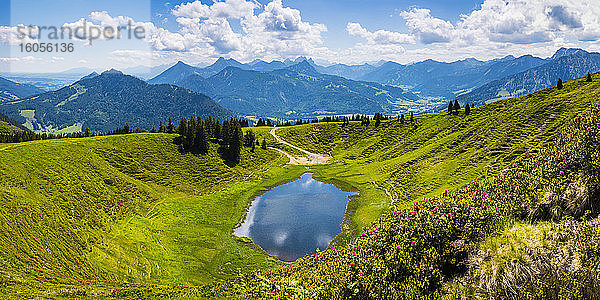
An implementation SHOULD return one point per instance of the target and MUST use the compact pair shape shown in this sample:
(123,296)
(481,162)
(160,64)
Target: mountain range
(107,101)
(433,81)
(289,89)
(298,91)
(566,64)
(10,90)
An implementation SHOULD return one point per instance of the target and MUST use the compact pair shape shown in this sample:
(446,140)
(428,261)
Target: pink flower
(413,242)
(398,247)
(352,264)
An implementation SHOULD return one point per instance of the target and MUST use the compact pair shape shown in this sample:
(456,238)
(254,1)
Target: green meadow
(128,209)
(132,216)
(397,163)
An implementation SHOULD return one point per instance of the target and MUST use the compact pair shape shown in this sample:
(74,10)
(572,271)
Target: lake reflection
(294,219)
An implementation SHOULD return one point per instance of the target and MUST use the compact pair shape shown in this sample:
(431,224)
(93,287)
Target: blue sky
(350,31)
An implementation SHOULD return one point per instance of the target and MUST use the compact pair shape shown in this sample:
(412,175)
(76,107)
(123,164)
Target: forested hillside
(108,101)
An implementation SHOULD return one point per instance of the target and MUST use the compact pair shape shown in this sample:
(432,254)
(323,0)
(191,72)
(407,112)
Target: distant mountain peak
(222,62)
(91,75)
(303,67)
(566,52)
(112,72)
(257,61)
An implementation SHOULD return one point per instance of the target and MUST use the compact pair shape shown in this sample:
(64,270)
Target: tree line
(454,108)
(25,135)
(195,134)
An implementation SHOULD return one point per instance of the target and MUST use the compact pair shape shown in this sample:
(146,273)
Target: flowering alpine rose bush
(539,261)
(415,252)
(562,180)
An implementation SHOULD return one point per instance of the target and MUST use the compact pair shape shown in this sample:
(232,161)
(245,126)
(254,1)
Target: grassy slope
(126,209)
(487,240)
(6,128)
(440,152)
(132,212)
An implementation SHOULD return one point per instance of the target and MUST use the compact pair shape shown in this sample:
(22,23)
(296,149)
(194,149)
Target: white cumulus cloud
(380,37)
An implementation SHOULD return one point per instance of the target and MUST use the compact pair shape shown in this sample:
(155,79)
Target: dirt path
(309,159)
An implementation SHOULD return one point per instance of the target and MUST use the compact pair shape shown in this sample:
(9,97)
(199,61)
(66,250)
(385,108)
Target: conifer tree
(161,127)
(170,126)
(589,77)
(559,84)
(249,138)
(412,119)
(450,107)
(183,127)
(235,145)
(456,106)
(402,119)
(191,133)
(126,129)
(225,131)
(87,133)
(467,109)
(201,141)
(377,118)
(264,144)
(216,131)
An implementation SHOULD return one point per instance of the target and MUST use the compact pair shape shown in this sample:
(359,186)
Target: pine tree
(235,145)
(559,85)
(183,127)
(377,118)
(191,134)
(126,129)
(589,77)
(467,109)
(249,138)
(161,127)
(225,133)
(450,107)
(402,119)
(412,119)
(264,144)
(456,106)
(201,141)
(171,126)
(87,132)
